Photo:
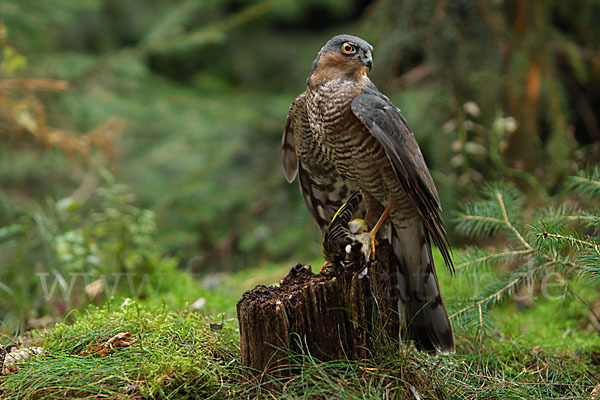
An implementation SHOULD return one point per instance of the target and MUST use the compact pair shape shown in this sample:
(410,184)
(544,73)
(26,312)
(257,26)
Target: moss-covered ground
(542,351)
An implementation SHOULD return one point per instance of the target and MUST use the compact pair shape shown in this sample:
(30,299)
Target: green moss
(177,353)
(545,351)
(183,354)
(551,323)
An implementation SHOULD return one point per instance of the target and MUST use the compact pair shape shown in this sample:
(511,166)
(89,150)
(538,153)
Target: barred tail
(423,316)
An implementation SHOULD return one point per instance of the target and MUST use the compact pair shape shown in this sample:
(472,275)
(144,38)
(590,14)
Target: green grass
(547,351)
(177,352)
(181,355)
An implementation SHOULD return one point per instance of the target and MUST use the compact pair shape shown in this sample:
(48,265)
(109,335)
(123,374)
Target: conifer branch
(504,254)
(500,292)
(509,225)
(552,242)
(478,218)
(581,217)
(482,301)
(586,181)
(575,241)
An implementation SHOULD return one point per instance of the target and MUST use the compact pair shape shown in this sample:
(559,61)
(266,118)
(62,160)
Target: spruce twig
(553,243)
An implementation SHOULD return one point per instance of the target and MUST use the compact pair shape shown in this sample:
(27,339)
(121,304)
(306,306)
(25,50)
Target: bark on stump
(331,316)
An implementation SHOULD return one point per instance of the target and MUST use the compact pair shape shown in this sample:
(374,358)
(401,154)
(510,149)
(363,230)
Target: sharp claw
(324,267)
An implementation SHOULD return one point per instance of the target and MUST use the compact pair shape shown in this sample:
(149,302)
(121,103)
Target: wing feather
(386,123)
(292,124)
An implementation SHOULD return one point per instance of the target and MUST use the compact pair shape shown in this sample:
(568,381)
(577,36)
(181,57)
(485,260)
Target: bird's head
(343,56)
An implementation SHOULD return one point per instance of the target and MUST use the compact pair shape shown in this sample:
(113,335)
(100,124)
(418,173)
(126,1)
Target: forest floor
(153,349)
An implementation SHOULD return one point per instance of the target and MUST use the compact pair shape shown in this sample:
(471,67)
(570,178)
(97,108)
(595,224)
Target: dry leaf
(122,339)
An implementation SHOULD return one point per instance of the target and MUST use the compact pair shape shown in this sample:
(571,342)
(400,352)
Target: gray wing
(385,122)
(323,189)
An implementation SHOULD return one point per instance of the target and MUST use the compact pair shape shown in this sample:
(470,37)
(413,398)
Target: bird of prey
(343,135)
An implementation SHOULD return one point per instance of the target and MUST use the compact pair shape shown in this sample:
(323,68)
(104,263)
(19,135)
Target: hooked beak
(367,61)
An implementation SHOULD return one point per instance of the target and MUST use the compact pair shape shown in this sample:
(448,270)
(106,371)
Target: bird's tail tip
(425,319)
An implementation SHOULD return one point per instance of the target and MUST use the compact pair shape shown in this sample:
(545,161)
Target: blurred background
(143,136)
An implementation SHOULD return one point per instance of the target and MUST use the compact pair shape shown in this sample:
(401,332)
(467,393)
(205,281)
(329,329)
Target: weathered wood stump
(332,316)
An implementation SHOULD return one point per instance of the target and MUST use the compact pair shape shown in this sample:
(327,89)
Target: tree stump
(332,316)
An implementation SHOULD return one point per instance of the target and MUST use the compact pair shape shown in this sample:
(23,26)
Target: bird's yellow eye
(347,48)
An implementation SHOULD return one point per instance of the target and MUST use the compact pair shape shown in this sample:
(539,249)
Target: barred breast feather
(323,189)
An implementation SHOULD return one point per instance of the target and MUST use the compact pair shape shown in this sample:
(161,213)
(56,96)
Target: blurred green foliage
(184,103)
(202,109)
(68,253)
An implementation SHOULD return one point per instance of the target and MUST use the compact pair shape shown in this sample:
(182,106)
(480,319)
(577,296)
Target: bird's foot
(374,242)
(378,225)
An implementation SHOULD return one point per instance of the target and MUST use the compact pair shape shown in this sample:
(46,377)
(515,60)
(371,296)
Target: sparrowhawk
(343,135)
